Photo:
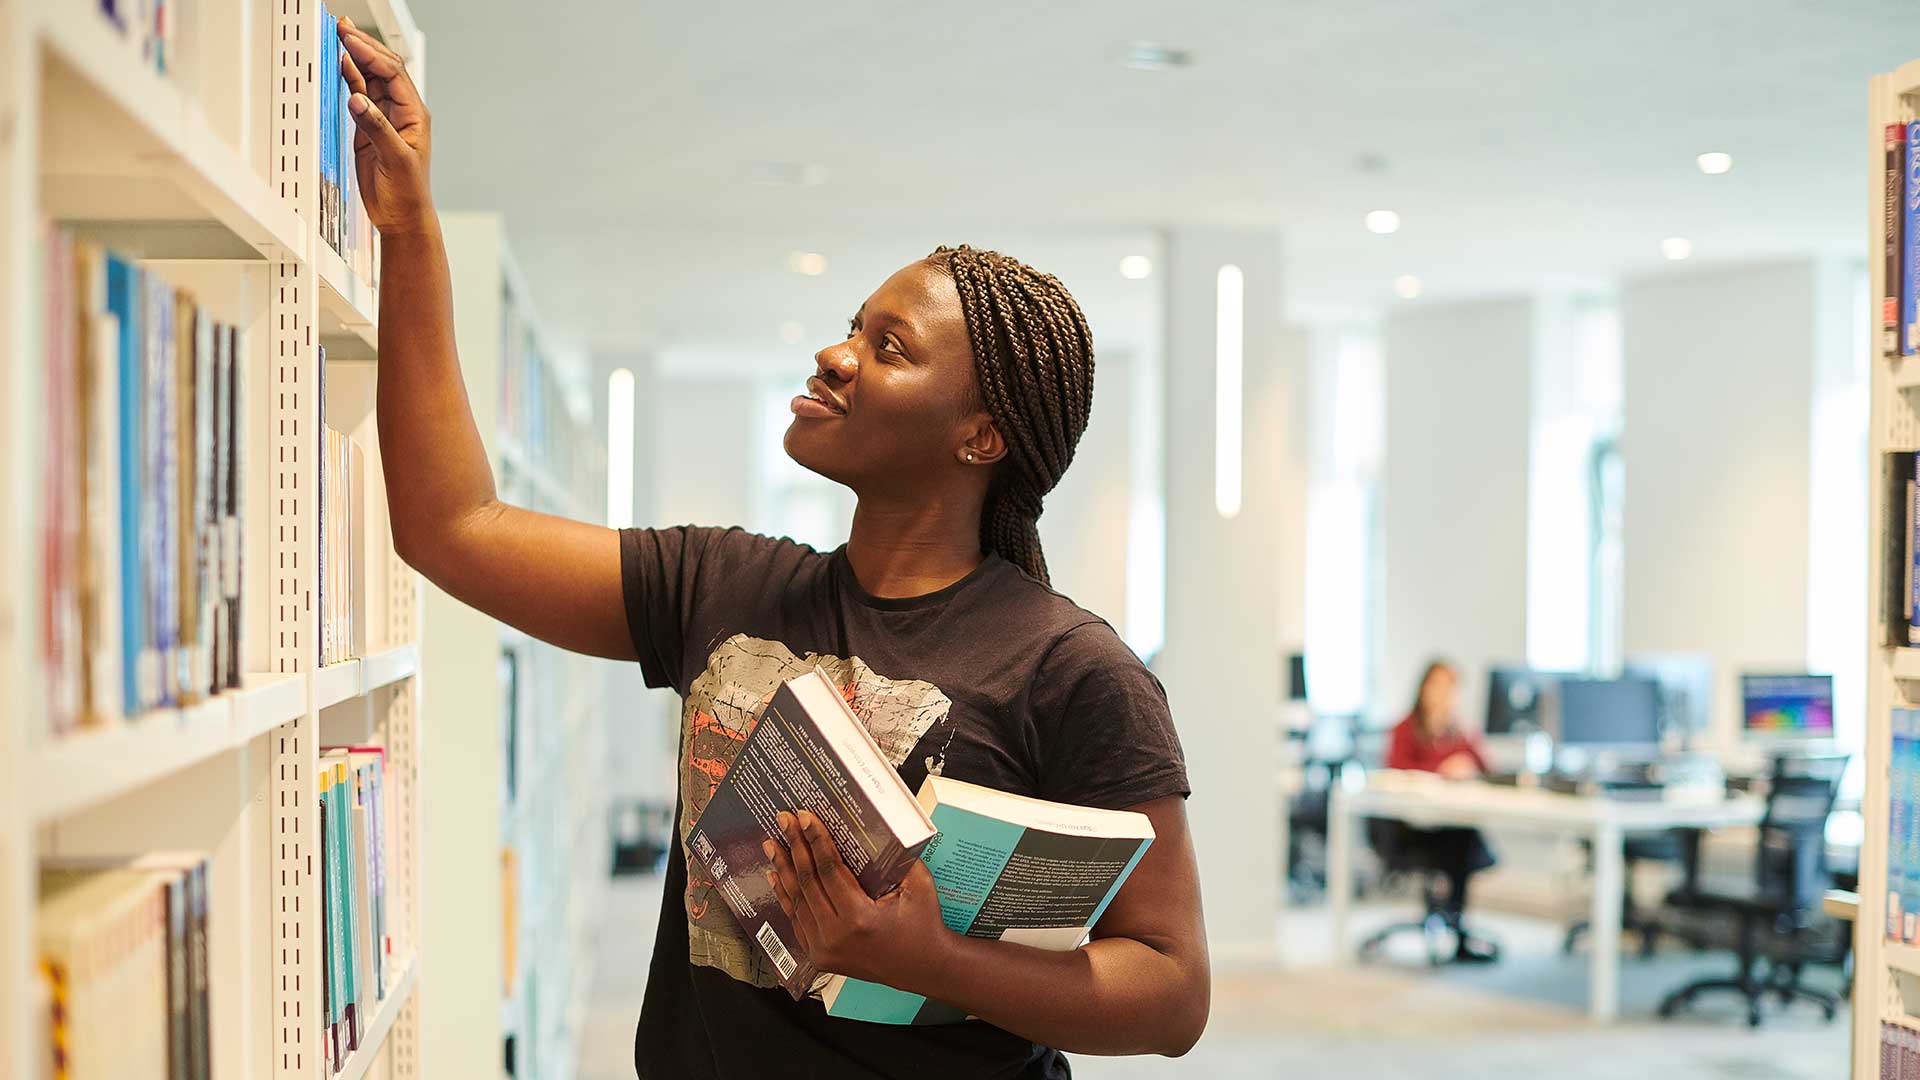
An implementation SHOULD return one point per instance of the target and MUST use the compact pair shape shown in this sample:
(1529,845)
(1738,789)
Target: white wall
(1718,391)
(1454,495)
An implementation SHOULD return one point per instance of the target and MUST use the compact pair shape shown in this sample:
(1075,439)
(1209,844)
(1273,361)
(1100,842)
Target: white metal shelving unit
(207,173)
(1887,975)
(554,823)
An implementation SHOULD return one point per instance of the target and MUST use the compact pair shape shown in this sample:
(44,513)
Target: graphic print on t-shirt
(721,706)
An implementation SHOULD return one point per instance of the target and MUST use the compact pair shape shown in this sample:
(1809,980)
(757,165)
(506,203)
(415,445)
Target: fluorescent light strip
(1229,341)
(620,449)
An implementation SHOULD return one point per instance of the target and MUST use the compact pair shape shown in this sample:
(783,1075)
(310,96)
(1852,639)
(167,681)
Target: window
(1347,418)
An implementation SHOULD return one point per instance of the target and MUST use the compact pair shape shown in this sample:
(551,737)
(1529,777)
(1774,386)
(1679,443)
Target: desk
(1425,800)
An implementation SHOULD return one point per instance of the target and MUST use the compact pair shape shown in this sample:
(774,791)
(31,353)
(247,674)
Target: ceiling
(1526,143)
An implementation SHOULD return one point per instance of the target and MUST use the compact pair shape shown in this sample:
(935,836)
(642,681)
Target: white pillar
(1719,381)
(1221,662)
(1454,495)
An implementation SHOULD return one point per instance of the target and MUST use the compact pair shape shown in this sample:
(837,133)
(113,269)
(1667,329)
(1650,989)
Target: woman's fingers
(835,879)
(373,56)
(350,71)
(373,124)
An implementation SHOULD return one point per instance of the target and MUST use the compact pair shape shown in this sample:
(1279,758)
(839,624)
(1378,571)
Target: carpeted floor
(1392,1021)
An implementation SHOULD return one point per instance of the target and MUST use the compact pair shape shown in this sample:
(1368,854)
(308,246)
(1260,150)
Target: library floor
(1389,1021)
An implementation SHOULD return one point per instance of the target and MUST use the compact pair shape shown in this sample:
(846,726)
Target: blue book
(1910,249)
(1909,839)
(125,293)
(1009,868)
(1899,806)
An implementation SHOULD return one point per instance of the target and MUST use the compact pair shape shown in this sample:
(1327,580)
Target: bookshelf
(1887,975)
(513,726)
(204,176)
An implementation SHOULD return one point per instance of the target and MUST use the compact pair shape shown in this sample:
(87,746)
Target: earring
(969,457)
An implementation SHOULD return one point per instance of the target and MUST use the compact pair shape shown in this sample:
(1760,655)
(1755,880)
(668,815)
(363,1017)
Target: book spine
(329,926)
(1911,605)
(1897,487)
(343,877)
(1893,233)
(1910,249)
(124,292)
(201,1001)
(166,493)
(179,1041)
(106,643)
(230,545)
(1897,810)
(185,520)
(1909,839)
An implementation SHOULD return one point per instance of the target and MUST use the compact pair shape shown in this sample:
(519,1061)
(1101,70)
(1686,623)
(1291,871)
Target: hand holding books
(395,140)
(891,940)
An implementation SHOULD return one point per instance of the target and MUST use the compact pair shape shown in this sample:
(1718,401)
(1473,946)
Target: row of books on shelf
(1899,1052)
(533,409)
(343,218)
(355,834)
(341,565)
(140,547)
(123,953)
(1900,300)
(152,24)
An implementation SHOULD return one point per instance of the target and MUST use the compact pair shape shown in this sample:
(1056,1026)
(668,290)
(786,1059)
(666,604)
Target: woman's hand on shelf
(394,142)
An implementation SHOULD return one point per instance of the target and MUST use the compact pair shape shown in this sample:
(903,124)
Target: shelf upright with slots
(207,175)
(1886,976)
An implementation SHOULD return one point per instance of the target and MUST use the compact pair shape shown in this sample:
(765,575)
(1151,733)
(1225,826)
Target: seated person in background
(1430,739)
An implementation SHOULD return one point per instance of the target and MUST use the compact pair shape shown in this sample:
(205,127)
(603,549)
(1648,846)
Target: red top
(1410,747)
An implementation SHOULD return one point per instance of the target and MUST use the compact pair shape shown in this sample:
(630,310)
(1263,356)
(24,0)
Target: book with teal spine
(1008,868)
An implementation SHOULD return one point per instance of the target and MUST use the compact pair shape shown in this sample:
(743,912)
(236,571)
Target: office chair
(1789,874)
(1676,845)
(1435,925)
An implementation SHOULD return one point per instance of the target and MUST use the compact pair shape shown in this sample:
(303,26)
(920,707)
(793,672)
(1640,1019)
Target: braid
(1033,355)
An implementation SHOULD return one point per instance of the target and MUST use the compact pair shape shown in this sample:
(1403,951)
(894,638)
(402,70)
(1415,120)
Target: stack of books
(357,967)
(144,397)
(123,953)
(343,219)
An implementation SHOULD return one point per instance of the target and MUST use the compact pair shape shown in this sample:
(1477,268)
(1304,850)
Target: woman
(951,408)
(1430,739)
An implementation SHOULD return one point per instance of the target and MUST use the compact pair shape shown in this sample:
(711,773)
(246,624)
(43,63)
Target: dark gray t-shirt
(996,679)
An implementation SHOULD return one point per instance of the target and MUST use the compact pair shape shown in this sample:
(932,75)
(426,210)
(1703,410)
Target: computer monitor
(1517,699)
(1609,712)
(1686,689)
(1787,706)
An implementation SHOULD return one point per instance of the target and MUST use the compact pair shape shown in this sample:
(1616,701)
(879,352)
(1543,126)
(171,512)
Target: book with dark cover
(1008,868)
(1896,545)
(1893,237)
(807,751)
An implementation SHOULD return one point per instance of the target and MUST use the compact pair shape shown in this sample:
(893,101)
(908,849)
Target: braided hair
(1033,355)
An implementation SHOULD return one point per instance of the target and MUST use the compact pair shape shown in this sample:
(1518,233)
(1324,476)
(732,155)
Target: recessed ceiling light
(1382,221)
(1715,163)
(1676,248)
(1152,56)
(1135,267)
(791,332)
(1406,287)
(810,263)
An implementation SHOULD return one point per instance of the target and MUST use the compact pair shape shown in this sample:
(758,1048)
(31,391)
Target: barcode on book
(777,949)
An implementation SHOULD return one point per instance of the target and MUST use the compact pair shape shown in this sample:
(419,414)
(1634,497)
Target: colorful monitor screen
(1790,706)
